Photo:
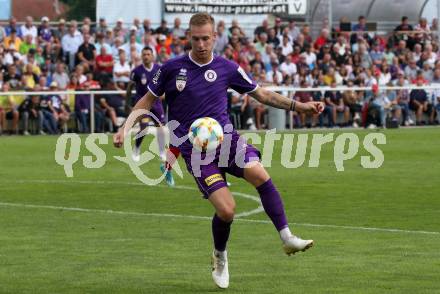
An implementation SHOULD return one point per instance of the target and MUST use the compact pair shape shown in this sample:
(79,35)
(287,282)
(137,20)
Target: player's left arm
(279,101)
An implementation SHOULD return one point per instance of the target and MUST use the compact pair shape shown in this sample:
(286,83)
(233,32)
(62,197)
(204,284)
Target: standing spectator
(403,99)
(87,53)
(71,43)
(29,29)
(8,111)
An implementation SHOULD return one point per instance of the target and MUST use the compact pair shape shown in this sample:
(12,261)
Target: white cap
(133,28)
(120,20)
(162,37)
(54,84)
(44,18)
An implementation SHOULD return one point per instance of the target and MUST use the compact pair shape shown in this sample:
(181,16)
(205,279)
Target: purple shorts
(157,111)
(211,177)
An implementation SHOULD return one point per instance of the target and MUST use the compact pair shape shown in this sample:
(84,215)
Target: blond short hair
(200,19)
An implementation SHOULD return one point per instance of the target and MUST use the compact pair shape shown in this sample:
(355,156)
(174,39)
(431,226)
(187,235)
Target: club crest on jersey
(181,79)
(210,75)
(144,79)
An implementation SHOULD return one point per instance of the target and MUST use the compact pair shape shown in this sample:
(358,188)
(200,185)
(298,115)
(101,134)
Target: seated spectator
(8,111)
(163,29)
(121,71)
(86,53)
(353,100)
(113,105)
(288,67)
(177,30)
(29,29)
(30,111)
(104,64)
(48,113)
(26,45)
(60,76)
(304,97)
(13,78)
(12,40)
(419,102)
(131,44)
(29,78)
(361,26)
(44,31)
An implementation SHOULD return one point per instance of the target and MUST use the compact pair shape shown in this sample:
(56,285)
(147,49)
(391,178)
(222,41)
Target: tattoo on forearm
(278,101)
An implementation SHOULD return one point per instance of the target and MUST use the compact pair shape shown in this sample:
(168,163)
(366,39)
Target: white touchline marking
(238,215)
(109,211)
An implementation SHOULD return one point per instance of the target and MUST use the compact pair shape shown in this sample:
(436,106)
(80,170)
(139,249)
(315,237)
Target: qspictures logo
(306,152)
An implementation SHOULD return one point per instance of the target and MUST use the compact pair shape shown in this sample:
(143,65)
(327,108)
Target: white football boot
(294,244)
(220,273)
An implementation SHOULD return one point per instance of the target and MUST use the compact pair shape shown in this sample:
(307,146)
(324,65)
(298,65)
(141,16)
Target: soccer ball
(206,134)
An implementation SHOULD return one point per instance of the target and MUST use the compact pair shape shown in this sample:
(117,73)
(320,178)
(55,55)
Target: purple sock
(220,232)
(272,204)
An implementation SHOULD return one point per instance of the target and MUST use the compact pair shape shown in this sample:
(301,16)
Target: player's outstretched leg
(163,156)
(224,205)
(272,203)
(136,155)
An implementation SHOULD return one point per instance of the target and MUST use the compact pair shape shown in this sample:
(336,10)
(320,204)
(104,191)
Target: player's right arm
(146,102)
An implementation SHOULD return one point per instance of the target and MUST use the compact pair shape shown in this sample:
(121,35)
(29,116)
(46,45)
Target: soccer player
(195,86)
(139,78)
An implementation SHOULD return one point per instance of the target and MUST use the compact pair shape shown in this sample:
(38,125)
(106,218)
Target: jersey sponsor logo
(157,76)
(213,179)
(181,80)
(210,75)
(144,79)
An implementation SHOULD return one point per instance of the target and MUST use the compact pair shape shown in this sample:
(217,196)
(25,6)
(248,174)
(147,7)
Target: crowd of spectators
(68,56)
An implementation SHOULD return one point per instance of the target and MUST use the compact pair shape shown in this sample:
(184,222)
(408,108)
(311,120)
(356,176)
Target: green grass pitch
(158,240)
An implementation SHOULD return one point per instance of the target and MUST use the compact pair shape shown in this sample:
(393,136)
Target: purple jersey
(193,90)
(141,76)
